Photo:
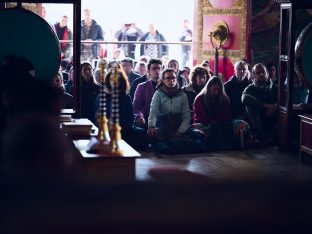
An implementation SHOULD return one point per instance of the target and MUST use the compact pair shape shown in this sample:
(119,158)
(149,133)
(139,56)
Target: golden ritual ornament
(114,126)
(109,135)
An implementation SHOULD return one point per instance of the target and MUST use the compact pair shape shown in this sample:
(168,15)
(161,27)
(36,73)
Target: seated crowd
(190,110)
(177,111)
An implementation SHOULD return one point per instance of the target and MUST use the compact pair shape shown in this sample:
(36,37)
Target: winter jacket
(255,97)
(163,105)
(142,99)
(96,34)
(234,90)
(190,93)
(135,84)
(201,116)
(89,92)
(162,49)
(63,33)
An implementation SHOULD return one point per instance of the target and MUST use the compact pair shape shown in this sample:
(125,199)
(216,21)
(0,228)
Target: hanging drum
(303,53)
(27,35)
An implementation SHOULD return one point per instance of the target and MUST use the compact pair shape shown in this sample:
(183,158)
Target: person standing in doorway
(90,32)
(129,32)
(153,50)
(64,33)
(187,36)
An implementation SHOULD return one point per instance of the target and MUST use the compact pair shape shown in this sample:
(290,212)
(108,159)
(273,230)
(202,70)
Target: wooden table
(107,167)
(305,136)
(75,132)
(288,139)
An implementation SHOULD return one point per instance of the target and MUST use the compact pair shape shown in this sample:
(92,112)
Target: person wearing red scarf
(64,33)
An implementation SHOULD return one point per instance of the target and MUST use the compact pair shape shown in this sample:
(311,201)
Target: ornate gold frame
(205,8)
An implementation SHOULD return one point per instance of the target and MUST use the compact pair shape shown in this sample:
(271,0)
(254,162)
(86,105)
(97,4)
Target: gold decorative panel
(236,17)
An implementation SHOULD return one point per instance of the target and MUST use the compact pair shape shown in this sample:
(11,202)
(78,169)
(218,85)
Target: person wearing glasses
(170,113)
(174,64)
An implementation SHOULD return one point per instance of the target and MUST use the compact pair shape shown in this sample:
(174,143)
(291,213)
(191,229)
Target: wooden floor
(246,205)
(249,163)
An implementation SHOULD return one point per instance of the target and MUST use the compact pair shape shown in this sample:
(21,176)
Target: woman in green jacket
(169,117)
(170,112)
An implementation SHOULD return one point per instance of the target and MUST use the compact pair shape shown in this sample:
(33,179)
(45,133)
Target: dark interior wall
(265,29)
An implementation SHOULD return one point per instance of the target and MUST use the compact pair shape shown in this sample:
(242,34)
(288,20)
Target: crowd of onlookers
(184,110)
(92,37)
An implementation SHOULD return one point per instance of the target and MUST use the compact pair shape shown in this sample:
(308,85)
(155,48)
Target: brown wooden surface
(127,150)
(306,117)
(244,165)
(108,167)
(244,191)
(76,134)
(290,140)
(305,136)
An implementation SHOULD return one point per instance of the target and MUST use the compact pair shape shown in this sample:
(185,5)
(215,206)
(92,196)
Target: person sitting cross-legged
(260,99)
(58,84)
(212,115)
(144,93)
(174,64)
(89,89)
(169,119)
(128,64)
(199,78)
(235,87)
(152,63)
